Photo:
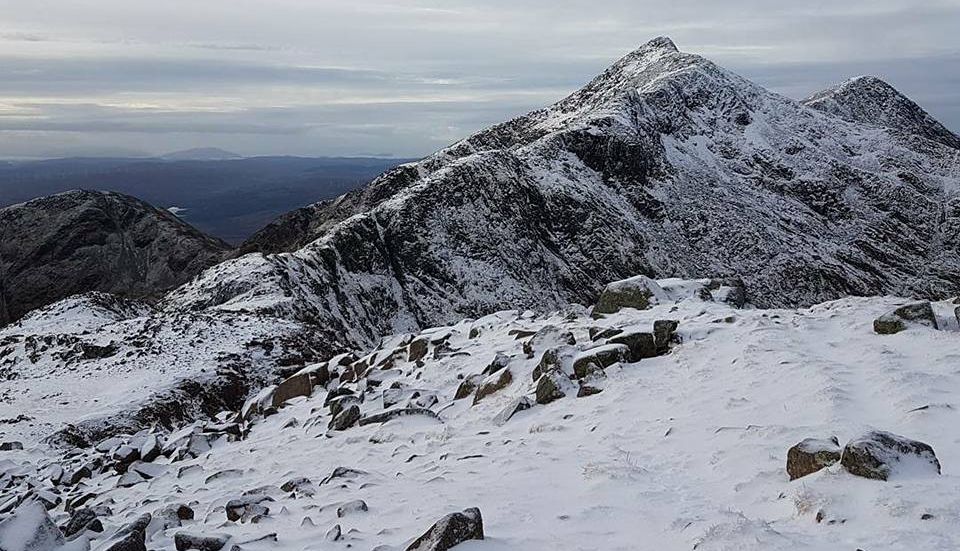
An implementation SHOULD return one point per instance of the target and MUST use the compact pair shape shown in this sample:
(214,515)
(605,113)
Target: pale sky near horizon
(405,77)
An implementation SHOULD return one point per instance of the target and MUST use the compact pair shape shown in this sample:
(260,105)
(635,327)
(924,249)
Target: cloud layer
(352,77)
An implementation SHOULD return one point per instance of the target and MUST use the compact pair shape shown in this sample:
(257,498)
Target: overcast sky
(405,77)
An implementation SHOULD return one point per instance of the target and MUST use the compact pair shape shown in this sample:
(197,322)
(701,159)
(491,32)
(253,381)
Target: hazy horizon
(368,78)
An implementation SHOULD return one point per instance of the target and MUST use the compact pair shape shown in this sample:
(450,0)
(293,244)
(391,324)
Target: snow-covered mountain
(666,164)
(81,241)
(414,365)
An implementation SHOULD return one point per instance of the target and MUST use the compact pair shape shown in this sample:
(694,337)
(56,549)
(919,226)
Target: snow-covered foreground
(680,451)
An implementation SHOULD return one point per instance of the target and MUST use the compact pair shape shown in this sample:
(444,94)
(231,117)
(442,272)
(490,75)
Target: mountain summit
(666,164)
(869,100)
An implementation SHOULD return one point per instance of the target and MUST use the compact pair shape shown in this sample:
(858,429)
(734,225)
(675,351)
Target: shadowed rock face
(81,241)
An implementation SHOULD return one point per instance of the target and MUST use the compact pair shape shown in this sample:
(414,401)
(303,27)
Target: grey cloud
(345,76)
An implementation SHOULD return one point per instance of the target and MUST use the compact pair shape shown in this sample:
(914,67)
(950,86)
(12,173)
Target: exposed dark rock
(641,345)
(638,292)
(346,418)
(80,519)
(551,387)
(919,313)
(292,387)
(10,446)
(131,537)
(468,386)
(201,542)
(450,531)
(248,508)
(811,455)
(880,454)
(495,382)
(417,349)
(81,241)
(663,331)
(603,356)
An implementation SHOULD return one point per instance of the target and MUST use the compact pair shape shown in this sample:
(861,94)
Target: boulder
(811,455)
(879,455)
(417,350)
(551,386)
(202,542)
(515,406)
(292,387)
(468,386)
(352,507)
(450,531)
(639,292)
(603,356)
(248,508)
(499,362)
(591,380)
(346,418)
(300,486)
(80,519)
(131,537)
(494,383)
(10,446)
(29,529)
(918,313)
(641,345)
(663,332)
(550,360)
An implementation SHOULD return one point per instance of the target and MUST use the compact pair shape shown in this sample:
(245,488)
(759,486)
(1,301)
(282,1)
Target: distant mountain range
(201,154)
(220,193)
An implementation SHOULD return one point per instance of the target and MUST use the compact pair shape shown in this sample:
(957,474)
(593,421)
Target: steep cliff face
(82,241)
(666,164)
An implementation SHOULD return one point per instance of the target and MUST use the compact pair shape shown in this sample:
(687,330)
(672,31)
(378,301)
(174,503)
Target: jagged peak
(870,99)
(659,43)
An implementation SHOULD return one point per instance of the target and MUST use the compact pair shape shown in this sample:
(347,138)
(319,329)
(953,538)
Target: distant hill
(230,199)
(201,154)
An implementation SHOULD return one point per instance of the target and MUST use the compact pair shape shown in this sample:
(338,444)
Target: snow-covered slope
(680,451)
(92,365)
(666,165)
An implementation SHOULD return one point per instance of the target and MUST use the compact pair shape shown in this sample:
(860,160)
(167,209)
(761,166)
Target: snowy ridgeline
(680,440)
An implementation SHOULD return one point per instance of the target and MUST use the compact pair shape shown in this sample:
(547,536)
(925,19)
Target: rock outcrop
(81,241)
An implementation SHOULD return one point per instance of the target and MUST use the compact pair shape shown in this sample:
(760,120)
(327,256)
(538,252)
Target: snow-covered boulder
(639,292)
(450,531)
(880,455)
(811,455)
(30,529)
(918,313)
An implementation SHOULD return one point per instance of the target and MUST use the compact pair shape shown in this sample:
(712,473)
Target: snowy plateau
(672,311)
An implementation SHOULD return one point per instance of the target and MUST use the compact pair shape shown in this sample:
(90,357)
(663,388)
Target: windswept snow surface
(681,451)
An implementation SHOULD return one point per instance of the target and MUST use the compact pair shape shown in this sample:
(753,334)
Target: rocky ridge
(664,165)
